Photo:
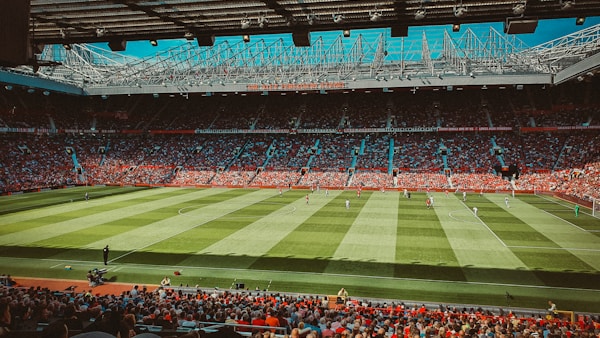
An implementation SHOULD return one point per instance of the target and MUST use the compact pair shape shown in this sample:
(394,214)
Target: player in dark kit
(105,254)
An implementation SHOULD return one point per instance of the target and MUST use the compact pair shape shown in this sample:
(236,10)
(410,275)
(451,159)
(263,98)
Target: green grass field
(383,246)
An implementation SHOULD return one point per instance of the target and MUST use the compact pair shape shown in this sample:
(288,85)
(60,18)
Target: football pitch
(383,246)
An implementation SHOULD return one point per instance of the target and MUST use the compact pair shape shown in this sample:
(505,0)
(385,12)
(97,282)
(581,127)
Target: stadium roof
(68,59)
(84,21)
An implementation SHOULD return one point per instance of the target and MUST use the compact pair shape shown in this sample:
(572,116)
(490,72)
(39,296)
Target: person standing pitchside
(105,254)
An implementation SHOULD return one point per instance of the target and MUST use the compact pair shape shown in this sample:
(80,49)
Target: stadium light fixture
(456,27)
(338,18)
(100,32)
(246,38)
(189,36)
(566,4)
(420,14)
(375,15)
(153,43)
(519,8)
(580,20)
(263,21)
(67,46)
(460,10)
(245,23)
(346,33)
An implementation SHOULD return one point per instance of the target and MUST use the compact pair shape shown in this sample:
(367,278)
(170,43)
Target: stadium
(300,168)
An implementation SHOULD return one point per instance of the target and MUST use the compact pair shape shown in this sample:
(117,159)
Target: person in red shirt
(272,320)
(245,320)
(259,320)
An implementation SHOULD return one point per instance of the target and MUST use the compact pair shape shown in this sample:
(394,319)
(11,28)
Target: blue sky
(547,30)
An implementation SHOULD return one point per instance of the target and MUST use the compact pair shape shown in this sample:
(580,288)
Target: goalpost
(595,207)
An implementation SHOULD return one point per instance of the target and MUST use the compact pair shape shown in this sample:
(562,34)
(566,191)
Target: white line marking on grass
(581,211)
(180,268)
(486,226)
(283,211)
(161,239)
(451,215)
(564,220)
(554,201)
(551,248)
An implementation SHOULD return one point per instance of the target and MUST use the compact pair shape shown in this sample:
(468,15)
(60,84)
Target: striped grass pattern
(384,245)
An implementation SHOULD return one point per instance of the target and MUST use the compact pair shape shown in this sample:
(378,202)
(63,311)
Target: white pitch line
(175,233)
(564,220)
(451,215)
(154,267)
(551,248)
(564,205)
(487,227)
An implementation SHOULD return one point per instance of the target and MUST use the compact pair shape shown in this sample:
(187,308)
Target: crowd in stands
(262,314)
(327,155)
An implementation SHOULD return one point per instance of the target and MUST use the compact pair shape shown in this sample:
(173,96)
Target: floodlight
(519,8)
(154,43)
(189,36)
(346,33)
(420,14)
(460,11)
(580,20)
(566,4)
(456,27)
(338,18)
(375,15)
(246,38)
(245,23)
(263,21)
(100,32)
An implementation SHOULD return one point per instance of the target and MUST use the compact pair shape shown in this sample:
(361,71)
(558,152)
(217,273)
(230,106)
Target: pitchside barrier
(564,316)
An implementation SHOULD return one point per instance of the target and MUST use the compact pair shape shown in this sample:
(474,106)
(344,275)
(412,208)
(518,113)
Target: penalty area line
(486,226)
(564,220)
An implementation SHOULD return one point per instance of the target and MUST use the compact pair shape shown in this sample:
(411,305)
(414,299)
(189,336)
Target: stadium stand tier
(195,312)
(533,140)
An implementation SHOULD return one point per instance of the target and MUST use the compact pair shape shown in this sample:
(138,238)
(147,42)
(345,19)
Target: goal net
(596,207)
